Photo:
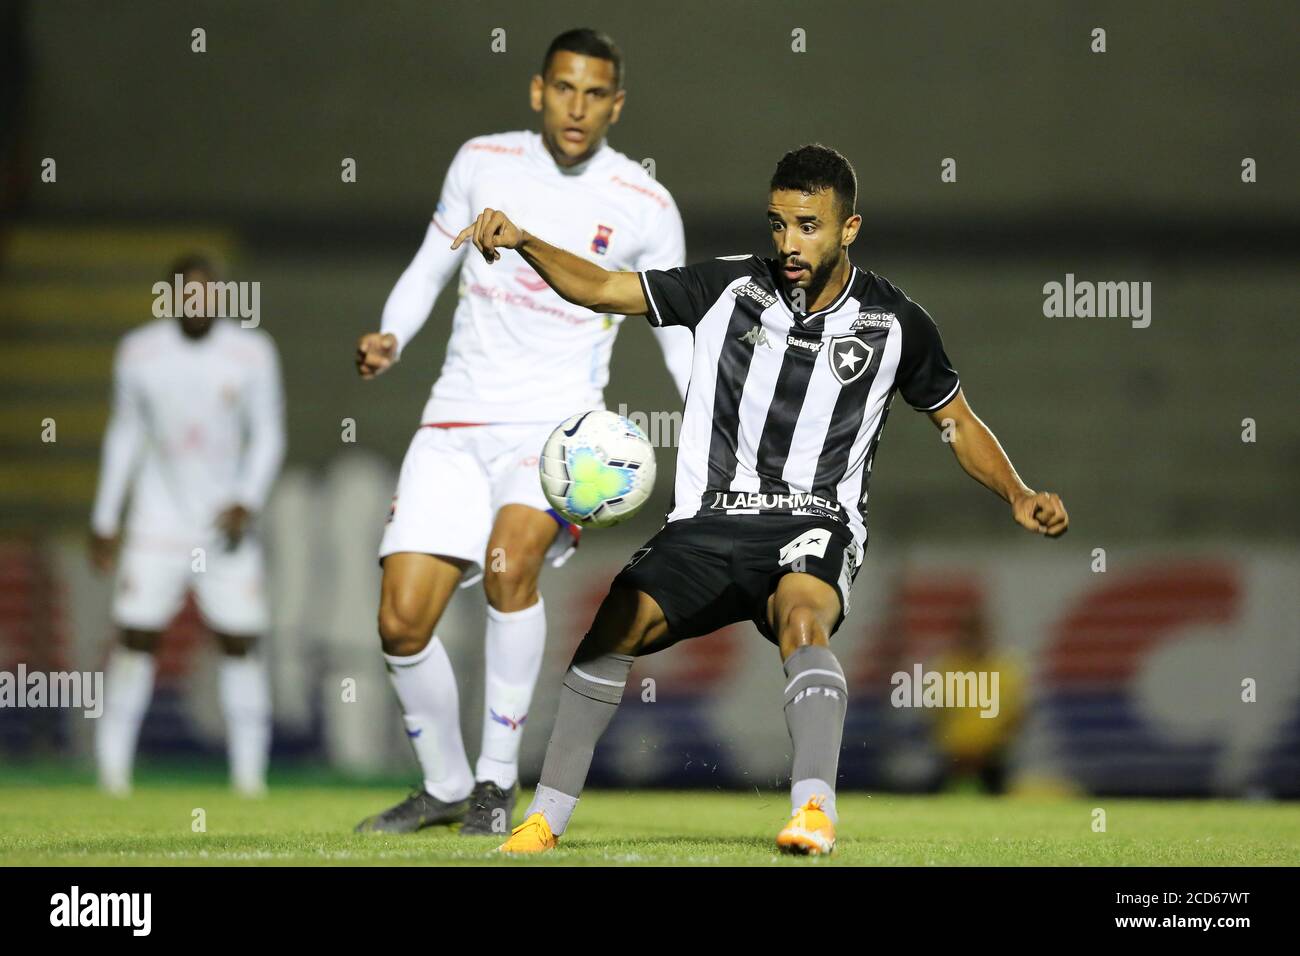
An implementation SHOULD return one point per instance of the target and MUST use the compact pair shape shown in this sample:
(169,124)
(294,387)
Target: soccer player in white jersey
(469,502)
(195,438)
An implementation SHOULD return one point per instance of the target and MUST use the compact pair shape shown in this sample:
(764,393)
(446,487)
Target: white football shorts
(453,481)
(152,581)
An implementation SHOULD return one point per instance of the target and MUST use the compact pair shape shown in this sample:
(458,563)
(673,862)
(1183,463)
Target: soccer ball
(597,469)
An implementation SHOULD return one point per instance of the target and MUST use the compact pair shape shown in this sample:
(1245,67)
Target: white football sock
(128,688)
(426,688)
(515,643)
(245,694)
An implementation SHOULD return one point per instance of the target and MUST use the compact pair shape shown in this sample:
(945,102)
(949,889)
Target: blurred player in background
(796,361)
(975,745)
(469,502)
(196,438)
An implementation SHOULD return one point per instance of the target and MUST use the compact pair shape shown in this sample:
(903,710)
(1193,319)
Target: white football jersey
(518,352)
(197,425)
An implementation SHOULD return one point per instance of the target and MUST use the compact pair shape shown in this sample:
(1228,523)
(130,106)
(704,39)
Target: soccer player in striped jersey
(520,359)
(797,359)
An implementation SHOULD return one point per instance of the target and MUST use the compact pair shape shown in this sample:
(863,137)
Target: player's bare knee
(635,641)
(402,632)
(647,626)
(802,627)
(626,623)
(516,551)
(511,585)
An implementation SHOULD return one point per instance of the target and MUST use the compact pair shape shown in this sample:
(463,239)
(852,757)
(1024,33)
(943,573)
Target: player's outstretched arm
(982,457)
(573,278)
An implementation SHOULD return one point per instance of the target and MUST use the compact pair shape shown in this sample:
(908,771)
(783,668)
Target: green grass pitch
(309,824)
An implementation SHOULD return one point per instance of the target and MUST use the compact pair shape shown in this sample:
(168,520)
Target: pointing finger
(462,236)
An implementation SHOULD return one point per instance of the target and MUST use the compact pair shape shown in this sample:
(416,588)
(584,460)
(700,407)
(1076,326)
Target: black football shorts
(708,572)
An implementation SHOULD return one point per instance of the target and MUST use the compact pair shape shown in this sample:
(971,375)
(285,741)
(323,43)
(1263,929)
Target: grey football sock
(555,806)
(590,696)
(816,699)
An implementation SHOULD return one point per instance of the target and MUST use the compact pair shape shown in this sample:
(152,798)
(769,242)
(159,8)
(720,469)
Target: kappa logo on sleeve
(812,543)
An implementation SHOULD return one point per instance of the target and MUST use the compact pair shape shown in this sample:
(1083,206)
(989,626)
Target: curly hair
(813,168)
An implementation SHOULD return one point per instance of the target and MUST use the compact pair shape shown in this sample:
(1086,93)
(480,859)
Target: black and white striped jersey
(785,409)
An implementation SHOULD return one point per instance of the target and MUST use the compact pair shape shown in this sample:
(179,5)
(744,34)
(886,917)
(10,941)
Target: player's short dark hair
(195,262)
(815,167)
(588,42)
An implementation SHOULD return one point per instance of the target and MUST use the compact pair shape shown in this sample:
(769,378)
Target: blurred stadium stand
(69,295)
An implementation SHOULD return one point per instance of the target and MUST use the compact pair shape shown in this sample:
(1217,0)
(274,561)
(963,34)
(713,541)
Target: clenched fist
(1041,512)
(376,351)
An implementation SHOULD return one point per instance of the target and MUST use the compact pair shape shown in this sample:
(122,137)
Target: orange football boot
(532,836)
(810,831)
